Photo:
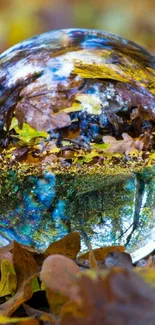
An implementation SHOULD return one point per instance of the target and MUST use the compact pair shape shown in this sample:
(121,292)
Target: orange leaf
(24,263)
(68,246)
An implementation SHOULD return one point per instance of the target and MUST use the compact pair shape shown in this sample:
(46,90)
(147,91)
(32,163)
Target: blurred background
(133,19)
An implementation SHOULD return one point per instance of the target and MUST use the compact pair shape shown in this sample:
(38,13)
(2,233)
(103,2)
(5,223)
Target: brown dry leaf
(102,253)
(72,307)
(68,246)
(59,277)
(24,264)
(119,259)
(127,145)
(6,249)
(56,301)
(150,262)
(59,273)
(24,293)
(120,297)
(142,114)
(31,321)
(39,119)
(39,314)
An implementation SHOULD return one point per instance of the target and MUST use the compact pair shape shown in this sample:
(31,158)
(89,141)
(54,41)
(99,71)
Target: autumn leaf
(8,280)
(92,259)
(39,314)
(38,119)
(12,320)
(127,145)
(24,264)
(27,133)
(116,297)
(24,293)
(68,246)
(58,273)
(102,253)
(118,259)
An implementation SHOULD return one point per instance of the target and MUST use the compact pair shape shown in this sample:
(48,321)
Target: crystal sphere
(77,125)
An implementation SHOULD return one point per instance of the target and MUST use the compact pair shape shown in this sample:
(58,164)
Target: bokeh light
(21,19)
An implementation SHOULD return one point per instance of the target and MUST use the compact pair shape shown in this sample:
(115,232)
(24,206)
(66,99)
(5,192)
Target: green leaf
(100,146)
(27,133)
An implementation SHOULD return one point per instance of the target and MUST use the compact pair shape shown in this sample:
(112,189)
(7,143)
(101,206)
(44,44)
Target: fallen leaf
(56,300)
(12,320)
(92,260)
(8,282)
(24,293)
(102,253)
(118,259)
(68,246)
(24,264)
(143,114)
(30,321)
(127,145)
(58,273)
(6,249)
(39,119)
(39,314)
(116,297)
(27,133)
(150,262)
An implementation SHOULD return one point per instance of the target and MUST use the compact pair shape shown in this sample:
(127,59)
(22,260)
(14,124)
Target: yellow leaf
(8,320)
(147,274)
(8,281)
(91,103)
(24,293)
(76,107)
